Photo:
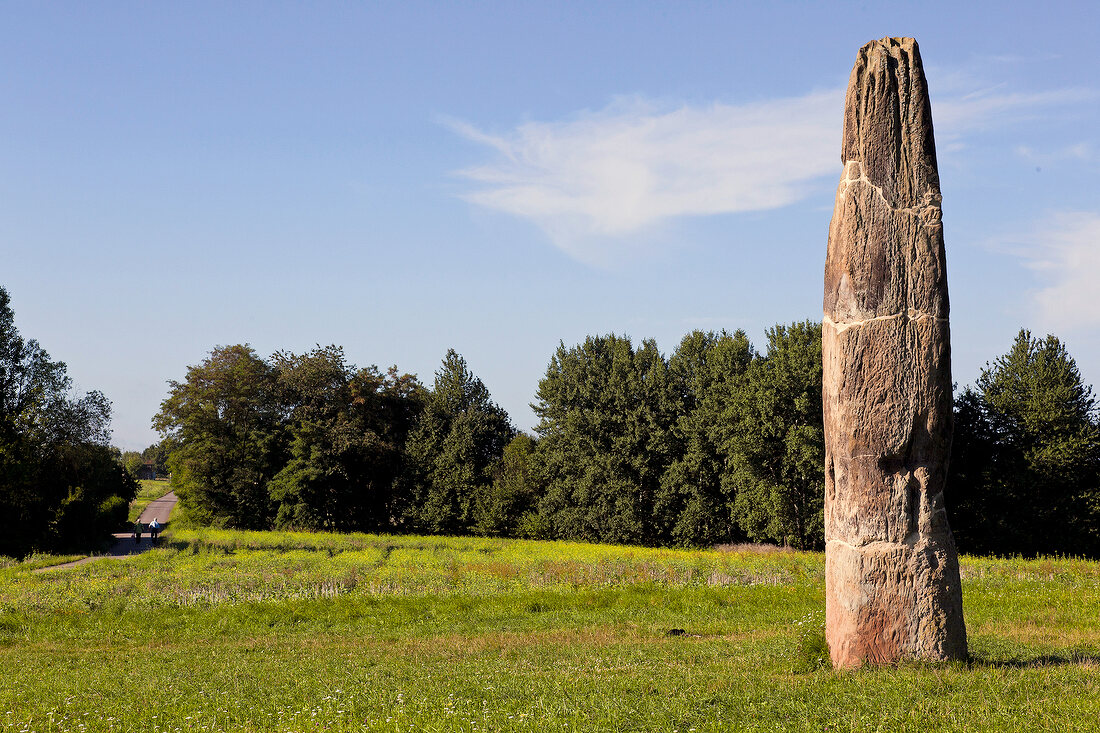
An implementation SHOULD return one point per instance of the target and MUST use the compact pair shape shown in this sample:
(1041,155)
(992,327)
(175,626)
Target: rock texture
(891,569)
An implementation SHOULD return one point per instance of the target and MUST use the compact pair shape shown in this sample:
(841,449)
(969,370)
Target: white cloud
(1065,254)
(617,172)
(600,183)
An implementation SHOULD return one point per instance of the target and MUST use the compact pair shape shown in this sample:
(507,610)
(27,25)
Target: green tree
(1031,421)
(695,501)
(504,509)
(347,429)
(605,410)
(452,451)
(224,422)
(58,478)
(778,443)
(133,463)
(92,492)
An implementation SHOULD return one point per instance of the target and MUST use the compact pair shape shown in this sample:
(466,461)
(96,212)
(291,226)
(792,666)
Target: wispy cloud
(601,181)
(1082,152)
(1064,251)
(988,108)
(613,173)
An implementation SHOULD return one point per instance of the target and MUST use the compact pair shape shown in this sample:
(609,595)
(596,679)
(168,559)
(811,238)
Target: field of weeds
(256,631)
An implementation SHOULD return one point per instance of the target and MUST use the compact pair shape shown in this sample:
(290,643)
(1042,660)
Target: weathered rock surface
(891,569)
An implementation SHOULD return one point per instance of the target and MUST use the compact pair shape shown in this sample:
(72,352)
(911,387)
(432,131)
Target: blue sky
(401,178)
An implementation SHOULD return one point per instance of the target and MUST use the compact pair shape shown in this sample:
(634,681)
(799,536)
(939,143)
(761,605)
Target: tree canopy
(696,499)
(605,412)
(453,450)
(346,429)
(225,422)
(714,444)
(779,441)
(310,441)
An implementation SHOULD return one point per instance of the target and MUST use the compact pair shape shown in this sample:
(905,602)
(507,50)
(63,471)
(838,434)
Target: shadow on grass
(1009,654)
(1059,659)
(812,654)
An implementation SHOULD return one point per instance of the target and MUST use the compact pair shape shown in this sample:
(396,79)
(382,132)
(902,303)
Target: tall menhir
(891,570)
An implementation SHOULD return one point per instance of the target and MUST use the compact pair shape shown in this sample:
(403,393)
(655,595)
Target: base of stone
(888,602)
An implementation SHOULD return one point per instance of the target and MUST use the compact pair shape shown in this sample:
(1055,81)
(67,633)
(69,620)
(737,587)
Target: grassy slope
(149,491)
(280,631)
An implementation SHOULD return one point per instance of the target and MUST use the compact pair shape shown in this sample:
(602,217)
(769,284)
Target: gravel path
(124,544)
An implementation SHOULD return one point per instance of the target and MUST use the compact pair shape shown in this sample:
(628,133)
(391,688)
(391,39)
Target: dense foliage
(716,443)
(61,486)
(1025,472)
(309,441)
(722,444)
(452,451)
(346,429)
(694,505)
(778,443)
(226,423)
(606,411)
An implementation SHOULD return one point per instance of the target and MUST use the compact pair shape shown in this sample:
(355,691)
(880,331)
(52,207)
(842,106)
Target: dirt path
(159,509)
(124,544)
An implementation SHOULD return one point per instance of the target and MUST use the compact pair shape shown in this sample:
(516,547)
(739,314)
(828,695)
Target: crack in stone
(911,540)
(910,315)
(930,214)
(873,545)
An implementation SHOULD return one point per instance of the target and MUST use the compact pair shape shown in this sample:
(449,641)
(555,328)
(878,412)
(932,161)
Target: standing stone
(891,570)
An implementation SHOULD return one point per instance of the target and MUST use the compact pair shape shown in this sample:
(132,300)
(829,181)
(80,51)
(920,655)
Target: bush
(113,513)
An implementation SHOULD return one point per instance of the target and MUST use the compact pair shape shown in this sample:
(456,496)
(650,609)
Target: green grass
(149,491)
(252,631)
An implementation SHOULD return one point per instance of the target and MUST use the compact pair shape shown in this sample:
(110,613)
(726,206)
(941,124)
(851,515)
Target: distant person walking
(137,532)
(154,530)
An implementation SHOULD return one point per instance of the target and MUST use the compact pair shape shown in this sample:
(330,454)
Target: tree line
(715,443)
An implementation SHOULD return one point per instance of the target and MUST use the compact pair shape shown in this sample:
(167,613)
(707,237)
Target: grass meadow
(277,631)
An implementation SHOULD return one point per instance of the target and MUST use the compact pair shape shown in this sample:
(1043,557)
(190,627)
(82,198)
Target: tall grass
(214,567)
